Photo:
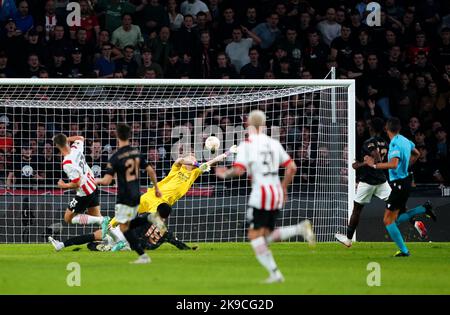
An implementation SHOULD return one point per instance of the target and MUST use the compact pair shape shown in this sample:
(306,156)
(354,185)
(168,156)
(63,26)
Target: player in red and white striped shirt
(82,181)
(261,156)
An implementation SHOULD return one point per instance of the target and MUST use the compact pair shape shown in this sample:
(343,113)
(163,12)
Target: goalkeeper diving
(184,172)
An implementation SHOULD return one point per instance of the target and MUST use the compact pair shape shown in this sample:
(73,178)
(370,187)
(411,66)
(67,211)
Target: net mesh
(311,122)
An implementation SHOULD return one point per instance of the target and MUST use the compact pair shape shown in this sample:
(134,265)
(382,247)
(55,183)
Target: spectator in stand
(104,38)
(6,140)
(186,38)
(364,44)
(25,173)
(192,7)
(375,82)
(303,27)
(423,169)
(223,68)
(148,64)
(96,159)
(329,28)
(105,66)
(227,27)
(24,21)
(5,70)
(50,165)
(48,22)
(34,45)
(161,46)
(204,57)
(268,32)
(160,166)
(254,69)
(293,47)
(89,22)
(13,43)
(128,34)
(316,55)
(420,45)
(175,18)
(59,42)
(152,17)
(406,99)
(251,18)
(127,65)
(87,48)
(113,10)
(238,49)
(413,127)
(342,48)
(33,67)
(76,67)
(58,66)
(8,10)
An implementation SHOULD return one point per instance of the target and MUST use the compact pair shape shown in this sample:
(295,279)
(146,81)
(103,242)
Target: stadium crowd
(401,67)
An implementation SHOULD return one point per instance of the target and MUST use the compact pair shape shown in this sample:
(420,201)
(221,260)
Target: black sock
(78,240)
(350,232)
(135,244)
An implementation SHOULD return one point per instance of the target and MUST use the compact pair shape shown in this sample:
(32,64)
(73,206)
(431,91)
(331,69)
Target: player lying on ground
(402,154)
(261,156)
(82,180)
(148,234)
(174,186)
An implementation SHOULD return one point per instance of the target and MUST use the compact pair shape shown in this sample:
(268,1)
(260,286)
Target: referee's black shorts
(399,195)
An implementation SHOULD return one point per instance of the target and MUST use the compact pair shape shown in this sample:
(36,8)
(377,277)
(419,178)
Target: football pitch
(227,268)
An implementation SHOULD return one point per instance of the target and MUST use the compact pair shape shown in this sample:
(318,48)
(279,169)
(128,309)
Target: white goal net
(312,119)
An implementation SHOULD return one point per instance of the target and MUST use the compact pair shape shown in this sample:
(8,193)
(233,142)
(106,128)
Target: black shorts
(257,219)
(80,204)
(400,193)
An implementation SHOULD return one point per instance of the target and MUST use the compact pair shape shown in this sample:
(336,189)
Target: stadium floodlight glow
(314,120)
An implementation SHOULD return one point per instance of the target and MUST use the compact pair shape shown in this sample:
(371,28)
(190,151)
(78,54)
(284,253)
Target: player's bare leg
(304,229)
(351,228)
(259,244)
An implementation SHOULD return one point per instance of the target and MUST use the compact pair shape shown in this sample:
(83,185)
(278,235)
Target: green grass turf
(228,268)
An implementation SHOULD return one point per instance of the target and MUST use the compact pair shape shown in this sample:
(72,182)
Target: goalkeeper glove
(205,167)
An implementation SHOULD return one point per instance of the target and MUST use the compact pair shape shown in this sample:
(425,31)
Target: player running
(126,163)
(402,153)
(261,156)
(82,180)
(372,182)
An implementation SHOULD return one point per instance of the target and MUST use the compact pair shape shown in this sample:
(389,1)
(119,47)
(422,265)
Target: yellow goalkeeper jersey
(174,186)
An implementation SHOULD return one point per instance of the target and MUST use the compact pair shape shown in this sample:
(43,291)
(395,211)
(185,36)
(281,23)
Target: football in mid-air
(212,144)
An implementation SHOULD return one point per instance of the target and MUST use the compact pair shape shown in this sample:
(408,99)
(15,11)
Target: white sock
(264,255)
(84,219)
(117,234)
(284,233)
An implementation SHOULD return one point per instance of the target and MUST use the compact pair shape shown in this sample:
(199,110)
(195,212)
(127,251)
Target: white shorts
(365,192)
(125,213)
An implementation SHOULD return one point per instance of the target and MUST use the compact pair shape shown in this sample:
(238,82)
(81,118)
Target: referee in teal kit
(402,153)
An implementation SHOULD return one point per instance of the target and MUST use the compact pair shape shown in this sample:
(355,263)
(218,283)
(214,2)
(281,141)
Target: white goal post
(313,119)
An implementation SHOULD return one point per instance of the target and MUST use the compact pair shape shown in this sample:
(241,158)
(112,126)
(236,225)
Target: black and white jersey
(370,175)
(126,162)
